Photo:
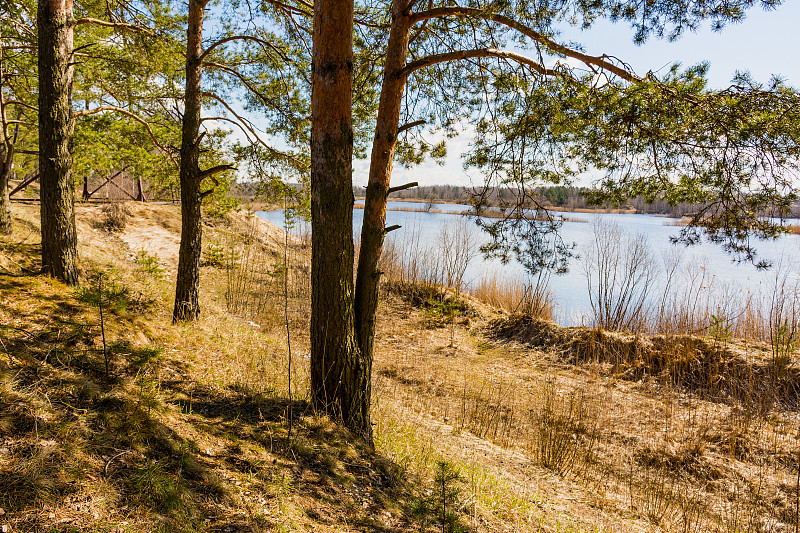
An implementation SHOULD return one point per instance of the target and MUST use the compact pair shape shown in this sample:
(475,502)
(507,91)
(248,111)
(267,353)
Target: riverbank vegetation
(555,197)
(126,423)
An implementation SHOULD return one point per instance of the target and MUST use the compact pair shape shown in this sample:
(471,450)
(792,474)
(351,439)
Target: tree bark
(380,172)
(340,379)
(187,286)
(6,160)
(56,124)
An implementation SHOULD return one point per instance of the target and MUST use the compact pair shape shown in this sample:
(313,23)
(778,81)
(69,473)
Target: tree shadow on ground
(338,477)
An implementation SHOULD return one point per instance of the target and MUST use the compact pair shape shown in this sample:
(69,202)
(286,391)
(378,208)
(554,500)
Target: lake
(705,265)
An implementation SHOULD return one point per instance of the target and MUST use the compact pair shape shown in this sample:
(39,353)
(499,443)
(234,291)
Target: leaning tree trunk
(380,171)
(340,380)
(187,286)
(56,123)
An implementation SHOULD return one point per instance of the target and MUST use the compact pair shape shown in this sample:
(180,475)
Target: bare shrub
(414,267)
(115,216)
(619,272)
(651,493)
(456,250)
(564,431)
(406,260)
(784,318)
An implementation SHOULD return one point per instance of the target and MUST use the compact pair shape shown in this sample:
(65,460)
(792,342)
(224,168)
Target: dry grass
(188,431)
(662,449)
(551,429)
(515,296)
(675,432)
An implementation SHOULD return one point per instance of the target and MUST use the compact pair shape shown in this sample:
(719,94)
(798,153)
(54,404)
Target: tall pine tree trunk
(340,379)
(187,286)
(56,123)
(380,172)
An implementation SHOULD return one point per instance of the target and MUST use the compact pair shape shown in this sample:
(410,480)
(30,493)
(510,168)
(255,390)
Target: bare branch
(402,187)
(22,104)
(209,173)
(244,123)
(24,28)
(293,9)
(199,139)
(208,50)
(244,80)
(246,133)
(410,125)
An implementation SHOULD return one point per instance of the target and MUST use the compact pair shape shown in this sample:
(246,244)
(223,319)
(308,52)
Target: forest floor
(112,419)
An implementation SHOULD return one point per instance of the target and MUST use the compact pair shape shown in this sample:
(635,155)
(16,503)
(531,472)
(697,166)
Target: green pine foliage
(440,505)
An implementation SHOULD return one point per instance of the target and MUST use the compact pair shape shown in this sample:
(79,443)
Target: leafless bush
(619,272)
(410,262)
(564,431)
(456,250)
(537,300)
(784,317)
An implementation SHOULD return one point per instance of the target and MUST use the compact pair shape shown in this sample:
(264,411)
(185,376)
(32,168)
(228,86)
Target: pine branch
(135,117)
(115,25)
(598,61)
(211,47)
(293,9)
(460,55)
(22,104)
(244,124)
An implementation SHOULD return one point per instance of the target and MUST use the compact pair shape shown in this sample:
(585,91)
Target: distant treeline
(557,196)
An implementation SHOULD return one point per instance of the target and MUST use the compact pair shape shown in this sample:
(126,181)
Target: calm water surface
(732,280)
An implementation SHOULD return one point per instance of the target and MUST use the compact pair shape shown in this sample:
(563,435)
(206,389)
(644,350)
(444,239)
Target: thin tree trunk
(56,123)
(5,201)
(140,197)
(7,158)
(187,286)
(373,229)
(340,379)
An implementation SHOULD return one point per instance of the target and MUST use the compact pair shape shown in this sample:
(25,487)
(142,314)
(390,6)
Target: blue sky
(766,43)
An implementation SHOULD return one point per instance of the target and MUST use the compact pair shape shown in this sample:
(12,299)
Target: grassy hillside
(112,419)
